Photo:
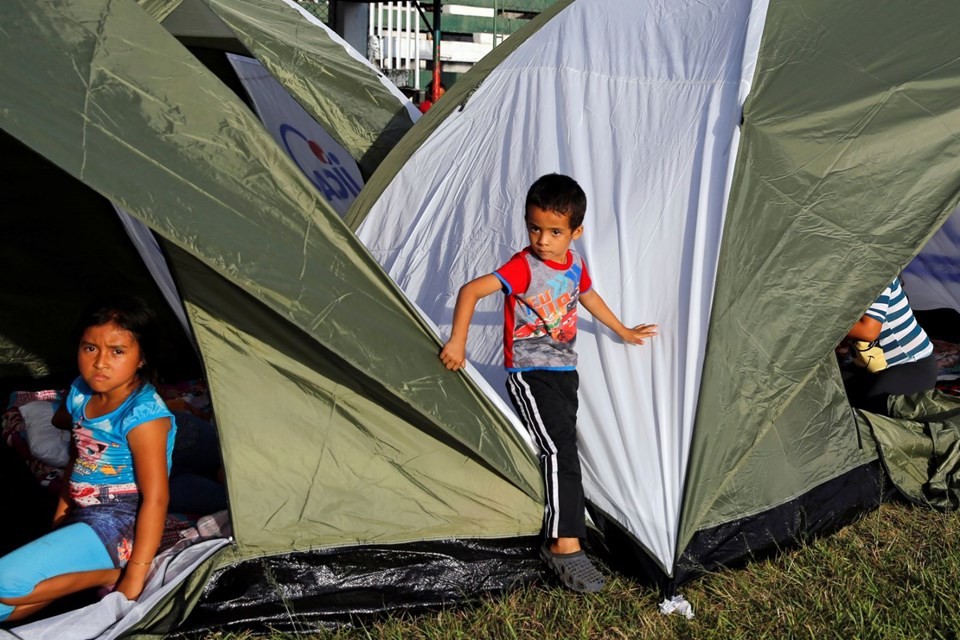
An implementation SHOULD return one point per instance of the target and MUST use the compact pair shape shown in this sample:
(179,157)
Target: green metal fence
(319,8)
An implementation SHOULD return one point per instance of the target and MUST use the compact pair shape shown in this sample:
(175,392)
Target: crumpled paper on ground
(677,604)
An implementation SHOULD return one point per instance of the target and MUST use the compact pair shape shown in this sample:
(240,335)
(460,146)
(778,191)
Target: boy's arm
(593,303)
(454,353)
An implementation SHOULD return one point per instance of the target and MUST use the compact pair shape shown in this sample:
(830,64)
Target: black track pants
(546,402)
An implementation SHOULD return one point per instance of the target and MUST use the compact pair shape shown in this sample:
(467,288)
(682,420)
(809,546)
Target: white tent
(665,116)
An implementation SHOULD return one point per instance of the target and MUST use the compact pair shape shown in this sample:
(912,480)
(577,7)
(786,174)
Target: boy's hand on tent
(454,355)
(639,333)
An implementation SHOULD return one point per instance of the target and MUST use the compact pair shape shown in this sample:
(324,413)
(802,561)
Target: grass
(895,574)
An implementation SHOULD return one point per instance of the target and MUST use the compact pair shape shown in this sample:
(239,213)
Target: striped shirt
(901,337)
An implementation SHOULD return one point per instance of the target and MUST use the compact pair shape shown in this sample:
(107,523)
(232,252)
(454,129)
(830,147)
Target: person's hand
(63,504)
(637,334)
(132,581)
(453,355)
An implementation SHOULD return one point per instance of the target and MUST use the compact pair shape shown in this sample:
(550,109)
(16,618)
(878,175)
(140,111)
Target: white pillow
(47,443)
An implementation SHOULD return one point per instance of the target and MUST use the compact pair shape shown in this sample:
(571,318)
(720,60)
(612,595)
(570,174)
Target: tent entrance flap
(338,424)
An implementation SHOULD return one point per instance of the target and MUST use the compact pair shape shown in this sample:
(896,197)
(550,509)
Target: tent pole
(436,46)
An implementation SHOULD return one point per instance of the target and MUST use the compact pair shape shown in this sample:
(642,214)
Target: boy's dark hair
(131,313)
(560,194)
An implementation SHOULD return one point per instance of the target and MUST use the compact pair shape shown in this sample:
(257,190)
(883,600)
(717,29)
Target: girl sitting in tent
(110,516)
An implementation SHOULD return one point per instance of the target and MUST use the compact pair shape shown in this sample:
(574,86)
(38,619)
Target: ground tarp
(919,444)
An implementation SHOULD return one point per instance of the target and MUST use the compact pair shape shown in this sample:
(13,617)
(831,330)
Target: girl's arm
(63,420)
(593,303)
(63,502)
(148,442)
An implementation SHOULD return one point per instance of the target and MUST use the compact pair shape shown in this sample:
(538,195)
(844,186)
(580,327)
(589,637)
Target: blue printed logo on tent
(330,174)
(322,159)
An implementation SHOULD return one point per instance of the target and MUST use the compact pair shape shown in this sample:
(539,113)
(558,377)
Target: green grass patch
(895,574)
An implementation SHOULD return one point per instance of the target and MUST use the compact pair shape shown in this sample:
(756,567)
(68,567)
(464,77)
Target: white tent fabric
(932,279)
(149,250)
(114,615)
(640,102)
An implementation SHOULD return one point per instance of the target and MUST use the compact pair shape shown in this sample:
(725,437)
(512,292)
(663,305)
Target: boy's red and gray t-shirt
(540,311)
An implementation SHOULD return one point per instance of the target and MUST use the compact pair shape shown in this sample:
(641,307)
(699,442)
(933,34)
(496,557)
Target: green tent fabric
(346,95)
(159,9)
(339,427)
(355,459)
(346,98)
(919,443)
(813,218)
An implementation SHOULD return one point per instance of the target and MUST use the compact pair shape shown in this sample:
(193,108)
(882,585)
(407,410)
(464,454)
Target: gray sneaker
(574,569)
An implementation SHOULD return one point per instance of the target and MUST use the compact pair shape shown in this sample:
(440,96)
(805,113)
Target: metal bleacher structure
(399,36)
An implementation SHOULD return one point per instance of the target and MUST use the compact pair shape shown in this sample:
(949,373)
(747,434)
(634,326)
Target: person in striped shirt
(911,365)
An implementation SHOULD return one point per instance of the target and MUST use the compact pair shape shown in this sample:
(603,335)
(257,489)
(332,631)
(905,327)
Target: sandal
(574,569)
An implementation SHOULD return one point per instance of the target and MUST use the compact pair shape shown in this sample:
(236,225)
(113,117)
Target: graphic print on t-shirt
(552,310)
(97,458)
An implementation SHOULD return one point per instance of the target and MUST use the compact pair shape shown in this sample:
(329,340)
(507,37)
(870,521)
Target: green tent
(340,89)
(756,173)
(348,449)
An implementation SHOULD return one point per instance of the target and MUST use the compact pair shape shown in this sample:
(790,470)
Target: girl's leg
(63,585)
(64,561)
(57,587)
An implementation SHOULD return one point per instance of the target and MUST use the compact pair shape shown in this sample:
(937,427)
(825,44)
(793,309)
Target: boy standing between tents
(543,285)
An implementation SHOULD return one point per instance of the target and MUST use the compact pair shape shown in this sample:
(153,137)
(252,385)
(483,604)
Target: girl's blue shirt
(103,453)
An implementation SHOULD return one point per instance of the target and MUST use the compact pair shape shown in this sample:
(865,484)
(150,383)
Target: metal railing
(396,40)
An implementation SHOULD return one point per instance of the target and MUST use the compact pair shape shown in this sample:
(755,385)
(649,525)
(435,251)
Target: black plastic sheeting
(308,591)
(823,510)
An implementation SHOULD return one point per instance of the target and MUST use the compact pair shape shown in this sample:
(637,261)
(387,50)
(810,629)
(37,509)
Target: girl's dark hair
(131,313)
